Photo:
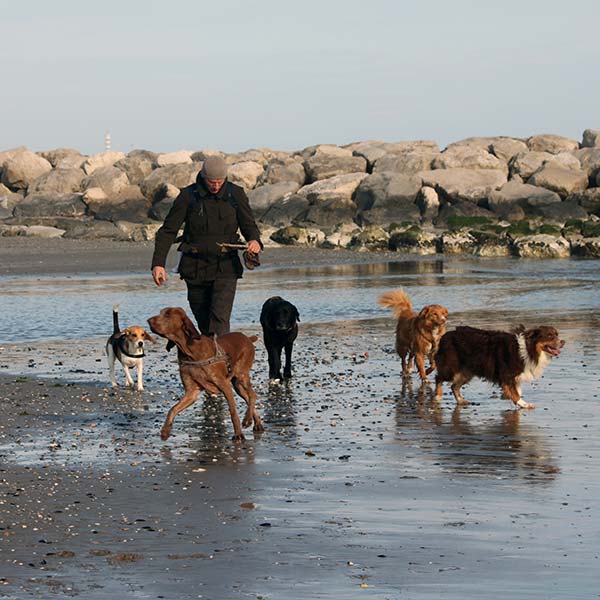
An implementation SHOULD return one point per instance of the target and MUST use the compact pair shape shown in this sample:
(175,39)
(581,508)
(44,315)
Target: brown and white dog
(127,347)
(417,334)
(504,358)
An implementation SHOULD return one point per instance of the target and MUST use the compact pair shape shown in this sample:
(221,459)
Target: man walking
(213,209)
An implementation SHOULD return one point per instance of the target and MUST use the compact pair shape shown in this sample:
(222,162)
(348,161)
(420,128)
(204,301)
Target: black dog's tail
(116,327)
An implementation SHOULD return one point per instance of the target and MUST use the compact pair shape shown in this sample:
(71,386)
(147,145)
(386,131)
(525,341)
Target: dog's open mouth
(552,350)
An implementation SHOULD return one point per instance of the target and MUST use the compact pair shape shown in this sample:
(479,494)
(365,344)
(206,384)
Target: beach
(360,487)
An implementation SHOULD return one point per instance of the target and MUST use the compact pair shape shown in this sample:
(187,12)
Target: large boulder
(468,158)
(173,158)
(591,138)
(99,161)
(370,238)
(128,205)
(245,173)
(136,167)
(566,160)
(22,168)
(541,246)
(526,196)
(412,146)
(560,212)
(525,164)
(8,201)
(202,155)
(506,148)
(341,236)
(110,180)
(95,230)
(324,166)
(554,144)
(341,186)
(324,150)
(261,157)
(370,151)
(586,247)
(428,202)
(42,231)
(413,240)
(561,180)
(178,175)
(67,158)
(328,212)
(474,143)
(472,185)
(144,154)
(408,163)
(262,197)
(6,154)
(59,181)
(285,211)
(51,205)
(458,242)
(589,200)
(297,236)
(382,198)
(462,214)
(589,159)
(491,244)
(283,169)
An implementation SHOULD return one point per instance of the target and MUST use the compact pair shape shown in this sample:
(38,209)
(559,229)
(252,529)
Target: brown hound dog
(211,365)
(417,334)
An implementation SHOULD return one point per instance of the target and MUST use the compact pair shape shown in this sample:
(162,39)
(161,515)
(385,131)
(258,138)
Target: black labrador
(279,319)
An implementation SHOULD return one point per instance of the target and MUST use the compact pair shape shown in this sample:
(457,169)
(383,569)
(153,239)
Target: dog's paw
(140,388)
(275,381)
(258,428)
(238,437)
(523,404)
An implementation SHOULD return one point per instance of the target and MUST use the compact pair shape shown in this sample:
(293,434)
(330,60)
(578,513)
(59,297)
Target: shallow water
(361,487)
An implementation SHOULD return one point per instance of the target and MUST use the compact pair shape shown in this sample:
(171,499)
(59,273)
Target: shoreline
(37,256)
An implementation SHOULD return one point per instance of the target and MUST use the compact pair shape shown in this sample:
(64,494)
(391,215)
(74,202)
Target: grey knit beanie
(214,167)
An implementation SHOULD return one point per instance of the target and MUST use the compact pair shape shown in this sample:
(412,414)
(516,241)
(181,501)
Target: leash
(220,356)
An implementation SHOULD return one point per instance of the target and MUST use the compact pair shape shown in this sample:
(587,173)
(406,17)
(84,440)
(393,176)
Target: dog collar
(127,353)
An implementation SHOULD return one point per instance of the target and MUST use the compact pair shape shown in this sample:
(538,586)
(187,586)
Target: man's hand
(254,246)
(159,275)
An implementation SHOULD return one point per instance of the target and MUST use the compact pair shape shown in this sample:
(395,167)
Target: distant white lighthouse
(107,141)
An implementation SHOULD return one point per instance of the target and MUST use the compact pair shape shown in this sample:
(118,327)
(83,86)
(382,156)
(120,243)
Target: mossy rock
(574,224)
(590,229)
(550,230)
(463,221)
(494,228)
(522,227)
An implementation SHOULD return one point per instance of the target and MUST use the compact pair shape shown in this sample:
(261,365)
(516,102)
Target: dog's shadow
(503,446)
(208,433)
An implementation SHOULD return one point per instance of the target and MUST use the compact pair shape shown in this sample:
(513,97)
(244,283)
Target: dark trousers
(211,302)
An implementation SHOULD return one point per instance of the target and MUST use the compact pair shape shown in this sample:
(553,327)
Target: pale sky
(235,74)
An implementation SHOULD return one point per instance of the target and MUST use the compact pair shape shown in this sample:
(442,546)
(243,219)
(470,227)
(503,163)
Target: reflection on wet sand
(501,447)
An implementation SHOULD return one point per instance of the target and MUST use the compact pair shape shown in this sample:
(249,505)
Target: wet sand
(361,487)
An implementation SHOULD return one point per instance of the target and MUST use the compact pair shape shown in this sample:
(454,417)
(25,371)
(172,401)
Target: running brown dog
(211,364)
(417,334)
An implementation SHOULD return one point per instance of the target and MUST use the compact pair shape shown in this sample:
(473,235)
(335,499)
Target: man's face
(214,185)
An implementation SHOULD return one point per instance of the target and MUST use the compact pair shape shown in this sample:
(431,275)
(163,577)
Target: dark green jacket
(209,219)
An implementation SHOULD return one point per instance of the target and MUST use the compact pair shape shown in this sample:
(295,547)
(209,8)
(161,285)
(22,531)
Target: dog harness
(220,356)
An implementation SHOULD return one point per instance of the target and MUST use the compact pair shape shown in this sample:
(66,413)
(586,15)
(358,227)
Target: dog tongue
(553,351)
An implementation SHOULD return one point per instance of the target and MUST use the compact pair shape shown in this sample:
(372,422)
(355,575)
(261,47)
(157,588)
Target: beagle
(127,347)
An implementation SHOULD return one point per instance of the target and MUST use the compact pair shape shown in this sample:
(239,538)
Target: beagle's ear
(148,337)
(121,333)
